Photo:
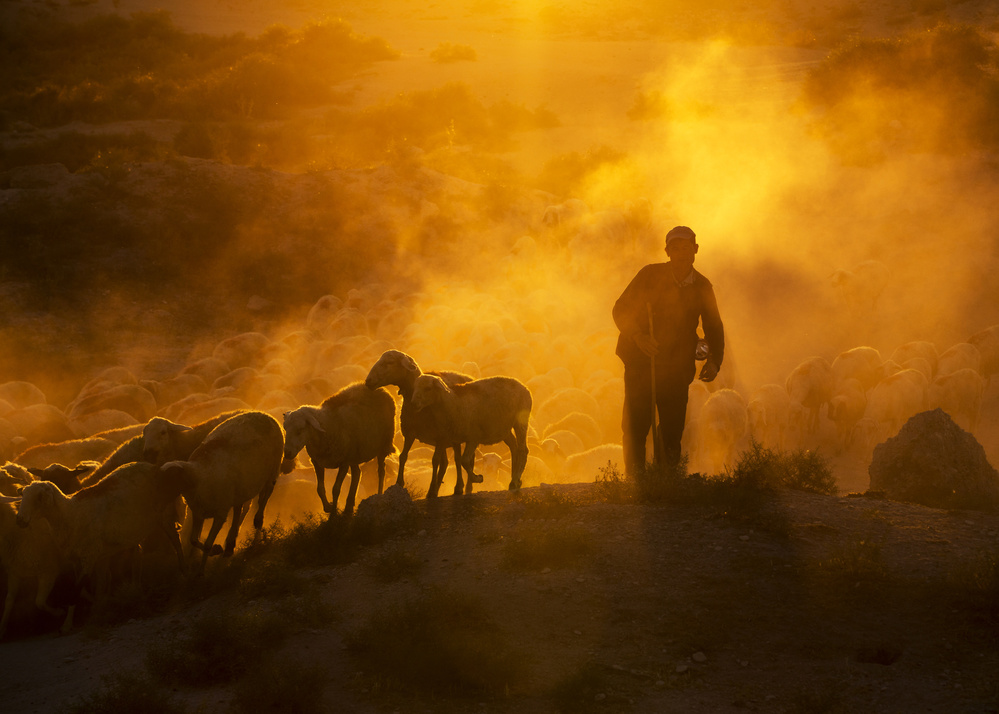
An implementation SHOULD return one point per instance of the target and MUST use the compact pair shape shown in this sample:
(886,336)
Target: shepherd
(658,315)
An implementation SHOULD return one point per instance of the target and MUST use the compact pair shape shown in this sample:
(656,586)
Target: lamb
(483,411)
(400,370)
(768,410)
(721,428)
(98,522)
(65,477)
(353,426)
(239,460)
(960,395)
(809,387)
(27,553)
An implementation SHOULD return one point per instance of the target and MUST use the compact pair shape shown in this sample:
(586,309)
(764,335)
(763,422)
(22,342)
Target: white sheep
(101,521)
(353,426)
(69,453)
(400,370)
(960,395)
(21,394)
(846,408)
(238,461)
(809,387)
(918,348)
(27,554)
(587,464)
(963,355)
(768,410)
(67,478)
(246,349)
(483,411)
(987,342)
(721,428)
(129,398)
(895,399)
(860,363)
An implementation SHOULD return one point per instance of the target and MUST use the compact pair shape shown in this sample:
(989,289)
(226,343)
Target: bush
(800,470)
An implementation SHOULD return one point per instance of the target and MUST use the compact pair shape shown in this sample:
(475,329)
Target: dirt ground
(856,605)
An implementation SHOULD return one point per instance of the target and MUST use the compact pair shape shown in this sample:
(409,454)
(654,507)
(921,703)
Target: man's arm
(631,314)
(714,333)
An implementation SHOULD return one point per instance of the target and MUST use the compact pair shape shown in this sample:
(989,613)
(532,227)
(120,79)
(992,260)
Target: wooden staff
(657,437)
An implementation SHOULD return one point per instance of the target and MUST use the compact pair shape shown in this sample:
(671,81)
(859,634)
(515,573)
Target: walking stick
(657,437)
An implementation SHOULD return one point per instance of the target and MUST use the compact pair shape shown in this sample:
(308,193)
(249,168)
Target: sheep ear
(177,428)
(10,499)
(314,422)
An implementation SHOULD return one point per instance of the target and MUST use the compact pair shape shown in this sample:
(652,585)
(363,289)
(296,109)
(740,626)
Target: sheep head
(37,501)
(393,367)
(300,428)
(428,390)
(177,475)
(158,437)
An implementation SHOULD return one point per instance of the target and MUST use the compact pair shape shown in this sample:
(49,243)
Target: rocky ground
(810,604)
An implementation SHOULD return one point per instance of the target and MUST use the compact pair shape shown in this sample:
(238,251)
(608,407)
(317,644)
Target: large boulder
(934,462)
(382,516)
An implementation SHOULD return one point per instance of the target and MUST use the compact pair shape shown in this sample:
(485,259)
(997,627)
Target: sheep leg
(355,480)
(468,463)
(439,469)
(381,474)
(335,496)
(407,444)
(518,455)
(197,524)
(209,544)
(459,483)
(262,499)
(238,514)
(321,487)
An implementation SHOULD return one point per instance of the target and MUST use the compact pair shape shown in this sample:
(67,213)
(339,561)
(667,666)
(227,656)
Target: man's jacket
(676,309)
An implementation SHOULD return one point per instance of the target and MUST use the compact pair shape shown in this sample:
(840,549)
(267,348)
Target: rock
(932,461)
(699,657)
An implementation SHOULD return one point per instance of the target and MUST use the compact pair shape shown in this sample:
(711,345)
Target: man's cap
(680,232)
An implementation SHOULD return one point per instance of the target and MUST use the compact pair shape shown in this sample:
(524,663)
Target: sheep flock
(131,459)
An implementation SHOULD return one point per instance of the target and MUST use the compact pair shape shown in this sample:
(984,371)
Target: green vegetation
(441,642)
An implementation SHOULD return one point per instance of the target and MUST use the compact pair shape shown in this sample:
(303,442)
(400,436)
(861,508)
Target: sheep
(239,460)
(809,387)
(960,395)
(582,425)
(168,391)
(987,342)
(208,368)
(67,478)
(963,355)
(846,408)
(243,350)
(923,349)
(768,411)
(70,452)
(721,428)
(587,464)
(163,440)
(483,411)
(100,521)
(895,399)
(400,370)
(353,426)
(129,398)
(21,394)
(27,553)
(860,363)
(102,420)
(40,424)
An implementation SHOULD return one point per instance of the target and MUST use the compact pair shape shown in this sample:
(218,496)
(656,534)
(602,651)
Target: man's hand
(647,344)
(709,371)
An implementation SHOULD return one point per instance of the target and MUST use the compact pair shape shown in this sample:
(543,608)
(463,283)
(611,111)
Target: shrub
(446,53)
(801,470)
(278,685)
(220,647)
